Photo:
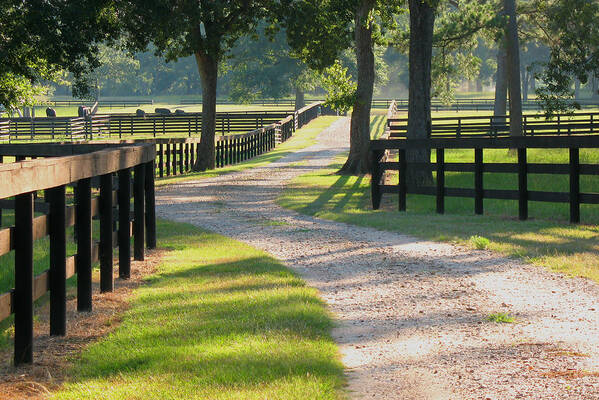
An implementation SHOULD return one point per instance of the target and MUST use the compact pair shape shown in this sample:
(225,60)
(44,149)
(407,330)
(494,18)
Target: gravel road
(412,314)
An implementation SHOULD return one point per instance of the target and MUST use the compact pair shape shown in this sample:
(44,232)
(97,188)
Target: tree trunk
(208,67)
(300,98)
(595,89)
(479,85)
(358,161)
(513,68)
(422,19)
(576,88)
(500,106)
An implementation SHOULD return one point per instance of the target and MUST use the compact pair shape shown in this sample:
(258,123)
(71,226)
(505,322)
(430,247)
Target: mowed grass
(302,138)
(219,320)
(546,239)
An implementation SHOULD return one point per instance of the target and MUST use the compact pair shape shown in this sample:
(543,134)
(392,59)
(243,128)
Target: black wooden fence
(493,126)
(574,169)
(175,156)
(21,182)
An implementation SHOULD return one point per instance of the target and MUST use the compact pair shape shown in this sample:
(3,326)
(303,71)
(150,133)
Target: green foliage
(572,32)
(40,38)
(340,88)
(186,27)
(501,318)
(264,67)
(479,242)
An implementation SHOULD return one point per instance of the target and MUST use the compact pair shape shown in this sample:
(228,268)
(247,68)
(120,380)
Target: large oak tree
(205,29)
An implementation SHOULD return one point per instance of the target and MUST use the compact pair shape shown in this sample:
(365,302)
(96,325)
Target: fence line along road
(21,182)
(574,169)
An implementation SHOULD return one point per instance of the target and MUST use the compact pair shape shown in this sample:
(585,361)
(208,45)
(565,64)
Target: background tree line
(273,48)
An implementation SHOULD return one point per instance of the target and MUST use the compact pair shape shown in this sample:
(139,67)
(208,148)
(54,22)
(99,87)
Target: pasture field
(218,320)
(546,239)
(71,111)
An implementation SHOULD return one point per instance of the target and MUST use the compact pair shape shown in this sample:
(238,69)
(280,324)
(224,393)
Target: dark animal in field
(140,113)
(83,111)
(50,112)
(162,111)
(179,112)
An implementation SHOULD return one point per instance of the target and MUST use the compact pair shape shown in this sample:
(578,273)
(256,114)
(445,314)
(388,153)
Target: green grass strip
(304,137)
(219,320)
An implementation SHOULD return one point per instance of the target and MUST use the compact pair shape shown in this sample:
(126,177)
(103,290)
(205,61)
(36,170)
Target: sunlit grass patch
(219,320)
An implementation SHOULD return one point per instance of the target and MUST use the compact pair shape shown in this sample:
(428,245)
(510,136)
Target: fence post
(478,181)
(440,181)
(186,156)
(23,295)
(106,266)
(58,264)
(150,207)
(83,209)
(174,150)
(181,171)
(161,159)
(403,188)
(522,185)
(574,185)
(139,182)
(191,155)
(168,159)
(124,198)
(375,189)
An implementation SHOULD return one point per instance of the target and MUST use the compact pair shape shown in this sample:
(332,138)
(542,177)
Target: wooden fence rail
(22,181)
(574,169)
(494,126)
(107,126)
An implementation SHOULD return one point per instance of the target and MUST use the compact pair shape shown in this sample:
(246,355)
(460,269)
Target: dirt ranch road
(412,315)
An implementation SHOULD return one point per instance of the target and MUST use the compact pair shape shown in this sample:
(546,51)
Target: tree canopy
(41,38)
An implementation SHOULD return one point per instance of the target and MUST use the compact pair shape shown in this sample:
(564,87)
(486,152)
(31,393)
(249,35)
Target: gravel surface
(412,315)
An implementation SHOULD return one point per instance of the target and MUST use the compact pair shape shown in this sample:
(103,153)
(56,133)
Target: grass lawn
(546,239)
(219,320)
(304,137)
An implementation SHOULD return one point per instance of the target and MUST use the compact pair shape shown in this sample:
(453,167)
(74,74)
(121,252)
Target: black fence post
(23,295)
(106,265)
(522,185)
(174,158)
(181,155)
(168,159)
(139,182)
(124,198)
(150,207)
(440,181)
(478,181)
(375,189)
(83,209)
(403,187)
(161,159)
(58,264)
(574,185)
